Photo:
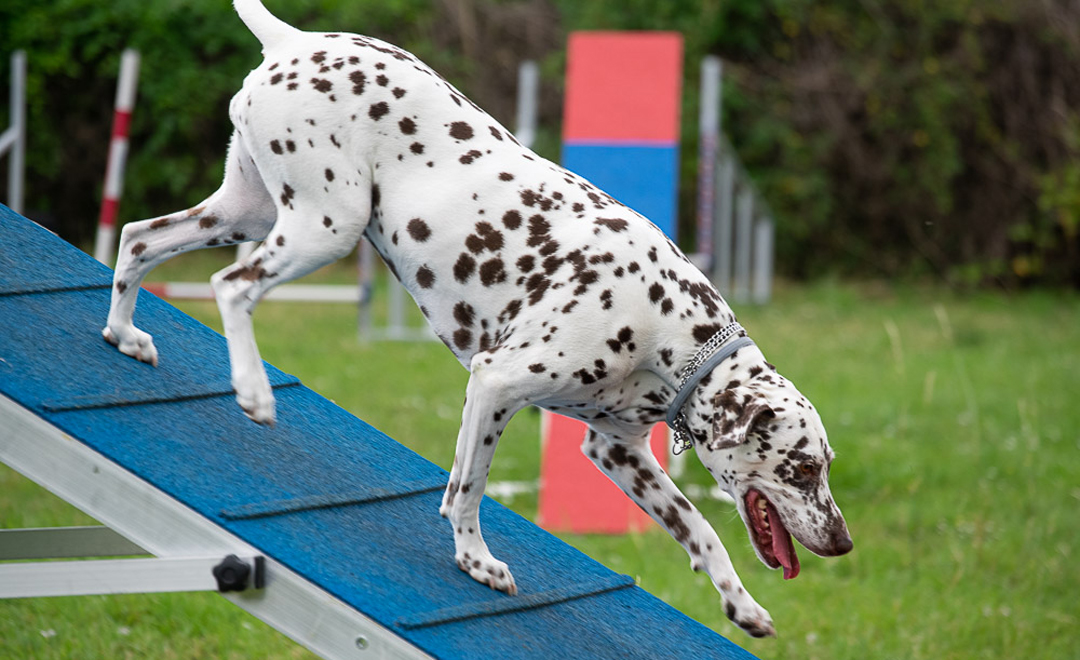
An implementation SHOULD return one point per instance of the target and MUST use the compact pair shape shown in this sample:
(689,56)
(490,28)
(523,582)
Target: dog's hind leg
(241,210)
(627,460)
(313,229)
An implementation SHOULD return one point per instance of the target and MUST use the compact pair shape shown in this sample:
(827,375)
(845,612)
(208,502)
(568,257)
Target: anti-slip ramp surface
(329,500)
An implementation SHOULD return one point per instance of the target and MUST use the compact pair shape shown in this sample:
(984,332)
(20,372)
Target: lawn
(955,423)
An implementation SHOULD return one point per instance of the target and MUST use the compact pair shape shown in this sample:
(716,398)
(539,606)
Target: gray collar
(714,351)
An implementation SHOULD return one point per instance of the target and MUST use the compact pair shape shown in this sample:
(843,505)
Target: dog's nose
(842,544)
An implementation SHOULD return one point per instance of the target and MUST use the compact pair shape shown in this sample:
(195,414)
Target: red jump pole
(118,148)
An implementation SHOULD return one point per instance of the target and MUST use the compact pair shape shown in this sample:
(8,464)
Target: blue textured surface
(323,493)
(645,177)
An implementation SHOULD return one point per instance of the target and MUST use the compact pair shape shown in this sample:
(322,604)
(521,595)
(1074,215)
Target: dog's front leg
(488,407)
(627,460)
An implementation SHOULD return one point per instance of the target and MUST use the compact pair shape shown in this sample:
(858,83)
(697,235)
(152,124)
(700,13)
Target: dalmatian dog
(547,290)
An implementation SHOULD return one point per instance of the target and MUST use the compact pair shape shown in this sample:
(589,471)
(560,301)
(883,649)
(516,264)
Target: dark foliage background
(903,138)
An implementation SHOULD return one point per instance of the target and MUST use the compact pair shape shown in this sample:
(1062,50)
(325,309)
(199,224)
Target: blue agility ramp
(357,561)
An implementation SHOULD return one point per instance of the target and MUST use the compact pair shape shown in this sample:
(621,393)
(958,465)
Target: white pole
(396,328)
(118,149)
(709,140)
(763,260)
(743,230)
(725,191)
(528,92)
(15,137)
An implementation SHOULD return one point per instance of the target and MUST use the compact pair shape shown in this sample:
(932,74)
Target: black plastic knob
(232,574)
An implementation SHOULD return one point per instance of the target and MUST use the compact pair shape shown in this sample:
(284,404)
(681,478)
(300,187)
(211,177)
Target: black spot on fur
(378,110)
(464,314)
(656,292)
(511,311)
(462,338)
(358,80)
(464,267)
(702,333)
(614,224)
(526,263)
(419,230)
(459,130)
(492,272)
(287,194)
(468,158)
(425,277)
(511,220)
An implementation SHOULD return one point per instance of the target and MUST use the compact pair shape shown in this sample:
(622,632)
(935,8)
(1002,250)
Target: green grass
(955,423)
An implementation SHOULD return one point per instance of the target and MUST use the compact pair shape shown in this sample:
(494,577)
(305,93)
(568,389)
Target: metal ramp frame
(357,561)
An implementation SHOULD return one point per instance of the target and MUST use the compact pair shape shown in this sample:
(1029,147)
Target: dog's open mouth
(767,531)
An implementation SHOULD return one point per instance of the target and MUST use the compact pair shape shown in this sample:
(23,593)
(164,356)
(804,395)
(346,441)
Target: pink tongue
(782,545)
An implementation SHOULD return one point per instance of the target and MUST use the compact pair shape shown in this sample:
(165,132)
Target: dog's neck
(731,371)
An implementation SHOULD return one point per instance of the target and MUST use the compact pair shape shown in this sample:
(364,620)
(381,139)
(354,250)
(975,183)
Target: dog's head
(768,450)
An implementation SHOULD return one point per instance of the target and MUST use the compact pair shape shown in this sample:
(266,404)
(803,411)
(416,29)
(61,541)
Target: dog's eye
(808,468)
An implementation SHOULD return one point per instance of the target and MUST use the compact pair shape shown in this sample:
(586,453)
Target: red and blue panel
(621,118)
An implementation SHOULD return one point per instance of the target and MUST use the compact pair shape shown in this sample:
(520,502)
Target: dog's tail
(266,27)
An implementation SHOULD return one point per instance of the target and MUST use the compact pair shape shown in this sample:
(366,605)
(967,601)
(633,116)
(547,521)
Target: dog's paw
(257,404)
(751,617)
(133,342)
(489,571)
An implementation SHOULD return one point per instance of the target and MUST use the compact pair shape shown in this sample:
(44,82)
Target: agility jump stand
(356,562)
(735,230)
(105,242)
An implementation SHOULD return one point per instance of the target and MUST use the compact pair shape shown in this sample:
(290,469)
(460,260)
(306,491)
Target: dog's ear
(737,412)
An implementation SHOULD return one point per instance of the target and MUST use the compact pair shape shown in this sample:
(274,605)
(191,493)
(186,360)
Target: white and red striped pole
(118,148)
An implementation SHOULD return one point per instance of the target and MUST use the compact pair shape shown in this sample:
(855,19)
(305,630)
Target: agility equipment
(105,242)
(577,498)
(334,526)
(621,118)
